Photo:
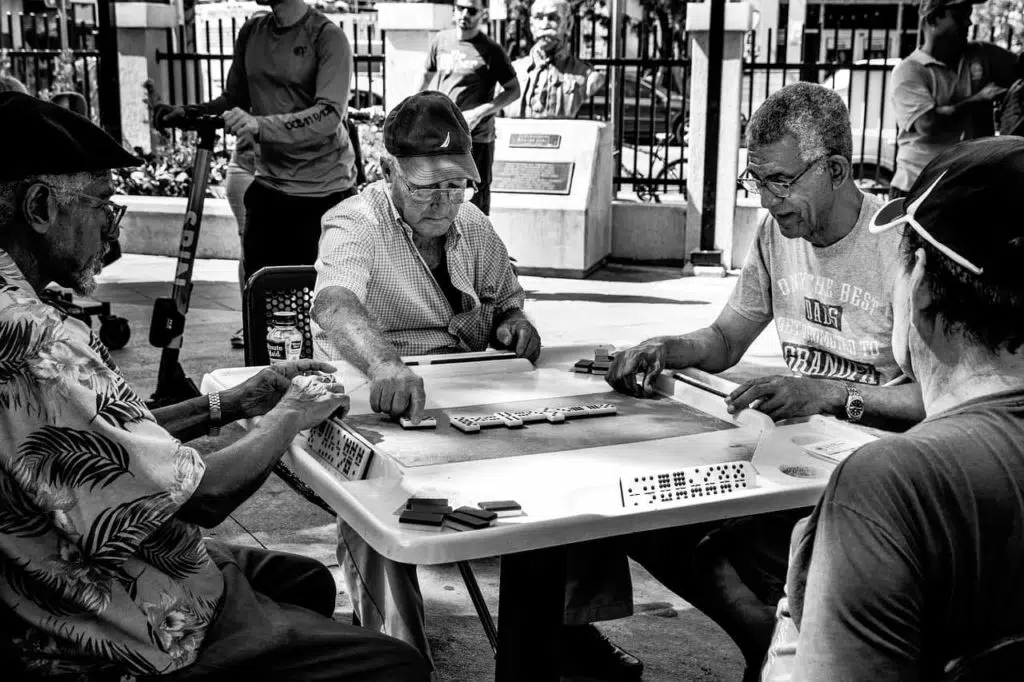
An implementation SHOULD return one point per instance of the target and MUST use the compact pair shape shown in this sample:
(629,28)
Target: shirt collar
(924,58)
(11,273)
(452,236)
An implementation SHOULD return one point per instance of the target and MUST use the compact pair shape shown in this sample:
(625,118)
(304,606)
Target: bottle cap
(285,317)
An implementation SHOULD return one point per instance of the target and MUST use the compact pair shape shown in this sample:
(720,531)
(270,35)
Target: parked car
(655,111)
(867,91)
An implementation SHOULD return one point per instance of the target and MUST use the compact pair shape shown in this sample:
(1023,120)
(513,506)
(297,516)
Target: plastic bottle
(284,340)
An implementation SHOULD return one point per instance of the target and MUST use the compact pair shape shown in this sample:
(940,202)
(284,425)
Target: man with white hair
(826,282)
(409,267)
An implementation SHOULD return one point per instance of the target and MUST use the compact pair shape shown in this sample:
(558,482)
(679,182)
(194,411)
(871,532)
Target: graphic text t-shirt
(832,305)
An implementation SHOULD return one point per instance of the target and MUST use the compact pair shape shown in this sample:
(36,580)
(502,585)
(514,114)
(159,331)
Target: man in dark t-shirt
(469,67)
(914,553)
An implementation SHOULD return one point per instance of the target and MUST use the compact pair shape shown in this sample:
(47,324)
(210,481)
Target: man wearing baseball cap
(410,267)
(914,553)
(104,571)
(944,91)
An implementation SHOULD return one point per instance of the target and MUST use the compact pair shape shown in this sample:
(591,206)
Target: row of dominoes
(344,450)
(435,514)
(665,488)
(512,420)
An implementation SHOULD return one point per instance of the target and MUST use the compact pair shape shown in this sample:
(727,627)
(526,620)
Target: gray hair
(12,84)
(815,116)
(65,188)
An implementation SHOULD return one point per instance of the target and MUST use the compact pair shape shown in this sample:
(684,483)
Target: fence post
(717,30)
(109,69)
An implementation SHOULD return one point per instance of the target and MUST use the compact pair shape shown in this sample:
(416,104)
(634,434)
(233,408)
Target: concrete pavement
(618,305)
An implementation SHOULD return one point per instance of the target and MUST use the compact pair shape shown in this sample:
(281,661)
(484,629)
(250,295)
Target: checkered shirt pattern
(368,249)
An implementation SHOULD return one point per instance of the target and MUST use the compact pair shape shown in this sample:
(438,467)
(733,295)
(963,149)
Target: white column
(795,31)
(408,28)
(768,21)
(738,21)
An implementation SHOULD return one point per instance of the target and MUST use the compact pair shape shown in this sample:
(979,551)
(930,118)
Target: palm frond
(105,650)
(46,591)
(117,533)
(176,548)
(69,457)
(18,514)
(16,347)
(120,406)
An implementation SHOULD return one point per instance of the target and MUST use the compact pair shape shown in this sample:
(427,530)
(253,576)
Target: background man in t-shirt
(467,66)
(826,282)
(917,540)
(944,91)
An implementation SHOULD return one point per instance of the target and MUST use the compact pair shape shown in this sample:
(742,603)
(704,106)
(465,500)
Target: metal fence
(31,51)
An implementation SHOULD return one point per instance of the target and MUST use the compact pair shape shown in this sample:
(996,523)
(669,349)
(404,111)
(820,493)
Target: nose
(768,200)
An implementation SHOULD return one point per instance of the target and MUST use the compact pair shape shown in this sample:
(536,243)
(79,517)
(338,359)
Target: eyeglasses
(471,11)
(780,189)
(882,222)
(113,210)
(455,195)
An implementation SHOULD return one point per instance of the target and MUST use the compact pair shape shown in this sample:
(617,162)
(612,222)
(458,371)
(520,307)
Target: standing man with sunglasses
(826,282)
(944,91)
(469,67)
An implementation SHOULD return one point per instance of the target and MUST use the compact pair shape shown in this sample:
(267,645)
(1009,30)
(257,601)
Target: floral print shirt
(97,575)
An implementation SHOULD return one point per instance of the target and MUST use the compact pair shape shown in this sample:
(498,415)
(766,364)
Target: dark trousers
(282,229)
(483,157)
(275,624)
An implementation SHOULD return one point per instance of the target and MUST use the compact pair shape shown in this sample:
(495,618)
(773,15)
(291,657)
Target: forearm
(502,99)
(185,420)
(707,349)
(315,123)
(428,76)
(352,330)
(890,407)
(234,473)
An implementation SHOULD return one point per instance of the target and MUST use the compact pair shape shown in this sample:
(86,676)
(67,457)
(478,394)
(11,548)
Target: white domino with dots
(512,420)
(655,489)
(425,423)
(343,449)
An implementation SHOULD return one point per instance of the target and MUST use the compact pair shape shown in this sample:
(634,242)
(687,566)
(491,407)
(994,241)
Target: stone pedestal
(141,31)
(408,28)
(738,21)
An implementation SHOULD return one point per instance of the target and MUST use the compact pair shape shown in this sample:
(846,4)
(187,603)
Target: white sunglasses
(885,220)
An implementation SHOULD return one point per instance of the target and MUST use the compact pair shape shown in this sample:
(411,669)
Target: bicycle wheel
(670,177)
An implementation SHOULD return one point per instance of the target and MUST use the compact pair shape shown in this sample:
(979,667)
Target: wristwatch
(215,414)
(854,403)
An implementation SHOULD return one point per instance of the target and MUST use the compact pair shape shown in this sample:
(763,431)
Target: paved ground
(618,305)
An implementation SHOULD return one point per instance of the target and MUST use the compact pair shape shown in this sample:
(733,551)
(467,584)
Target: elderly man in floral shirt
(104,573)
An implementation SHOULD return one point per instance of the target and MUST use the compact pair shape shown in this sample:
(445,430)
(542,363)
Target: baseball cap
(965,203)
(43,138)
(428,135)
(929,7)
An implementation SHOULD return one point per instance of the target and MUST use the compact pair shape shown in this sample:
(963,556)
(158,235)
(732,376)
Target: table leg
(531,608)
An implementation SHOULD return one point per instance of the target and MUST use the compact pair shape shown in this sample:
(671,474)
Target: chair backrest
(999,661)
(273,289)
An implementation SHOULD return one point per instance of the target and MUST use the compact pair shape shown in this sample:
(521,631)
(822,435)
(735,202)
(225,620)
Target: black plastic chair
(290,287)
(999,661)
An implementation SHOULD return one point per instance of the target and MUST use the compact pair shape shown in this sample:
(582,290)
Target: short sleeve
(501,65)
(911,95)
(752,296)
(345,257)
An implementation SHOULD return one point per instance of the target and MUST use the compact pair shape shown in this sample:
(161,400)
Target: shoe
(238,340)
(586,652)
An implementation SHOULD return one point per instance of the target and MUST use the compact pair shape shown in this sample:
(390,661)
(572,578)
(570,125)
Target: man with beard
(104,572)
(815,270)
(468,66)
(555,81)
(912,556)
(287,93)
(944,91)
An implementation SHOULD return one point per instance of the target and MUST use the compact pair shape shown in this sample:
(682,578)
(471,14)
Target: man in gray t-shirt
(827,284)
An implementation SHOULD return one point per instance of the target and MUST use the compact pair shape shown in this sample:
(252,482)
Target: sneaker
(238,340)
(586,652)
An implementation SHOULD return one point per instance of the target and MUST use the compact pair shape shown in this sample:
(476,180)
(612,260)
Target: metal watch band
(854,403)
(216,417)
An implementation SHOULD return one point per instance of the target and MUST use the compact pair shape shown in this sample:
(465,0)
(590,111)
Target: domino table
(674,459)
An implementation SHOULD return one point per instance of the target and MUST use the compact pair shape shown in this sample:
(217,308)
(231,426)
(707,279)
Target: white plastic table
(564,476)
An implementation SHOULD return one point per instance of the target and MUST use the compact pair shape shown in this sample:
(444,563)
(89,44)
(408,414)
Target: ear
(839,170)
(921,296)
(386,169)
(40,207)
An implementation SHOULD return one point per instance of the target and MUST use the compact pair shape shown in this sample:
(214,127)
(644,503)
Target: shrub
(167,171)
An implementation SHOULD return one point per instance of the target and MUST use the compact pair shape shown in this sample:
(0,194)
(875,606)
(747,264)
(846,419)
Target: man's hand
(647,358)
(310,400)
(166,116)
(520,336)
(474,116)
(257,395)
(989,93)
(785,397)
(238,122)
(397,391)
